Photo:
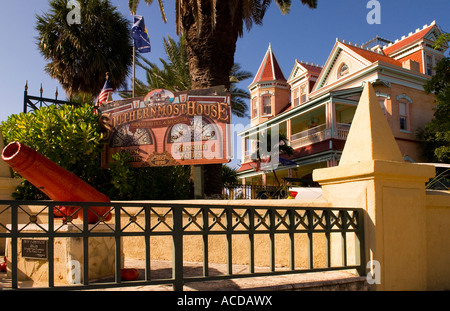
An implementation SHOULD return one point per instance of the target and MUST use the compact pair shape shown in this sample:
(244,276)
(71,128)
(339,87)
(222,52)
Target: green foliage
(162,183)
(79,55)
(122,176)
(229,175)
(442,40)
(148,183)
(69,136)
(436,134)
(264,148)
(72,138)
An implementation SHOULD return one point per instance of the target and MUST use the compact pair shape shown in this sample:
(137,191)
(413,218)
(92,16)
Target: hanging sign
(165,128)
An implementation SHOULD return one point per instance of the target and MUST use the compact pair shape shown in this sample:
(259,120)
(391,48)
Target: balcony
(310,136)
(318,134)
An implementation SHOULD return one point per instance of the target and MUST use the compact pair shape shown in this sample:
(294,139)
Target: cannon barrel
(56,182)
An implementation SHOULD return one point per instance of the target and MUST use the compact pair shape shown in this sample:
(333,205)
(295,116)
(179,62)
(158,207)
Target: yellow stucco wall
(438,240)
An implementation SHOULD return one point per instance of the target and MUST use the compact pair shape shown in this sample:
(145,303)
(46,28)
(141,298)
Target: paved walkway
(335,280)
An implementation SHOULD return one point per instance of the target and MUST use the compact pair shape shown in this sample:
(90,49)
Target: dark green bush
(72,137)
(69,136)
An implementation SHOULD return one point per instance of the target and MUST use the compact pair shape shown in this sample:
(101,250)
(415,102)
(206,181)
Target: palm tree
(266,149)
(212,29)
(229,175)
(79,55)
(133,4)
(174,75)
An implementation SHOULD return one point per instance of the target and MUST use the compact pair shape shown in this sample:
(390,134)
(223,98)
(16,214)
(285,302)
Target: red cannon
(57,183)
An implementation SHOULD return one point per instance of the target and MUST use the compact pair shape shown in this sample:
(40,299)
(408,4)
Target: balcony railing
(342,130)
(318,134)
(311,136)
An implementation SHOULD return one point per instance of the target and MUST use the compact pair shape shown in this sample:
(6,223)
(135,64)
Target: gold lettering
(183,109)
(146,113)
(191,108)
(176,109)
(152,112)
(169,110)
(206,110)
(223,115)
(199,109)
(213,111)
(161,110)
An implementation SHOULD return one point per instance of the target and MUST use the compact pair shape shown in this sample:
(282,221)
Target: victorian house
(314,106)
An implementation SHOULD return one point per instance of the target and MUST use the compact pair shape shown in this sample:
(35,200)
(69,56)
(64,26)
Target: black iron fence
(313,229)
(31,102)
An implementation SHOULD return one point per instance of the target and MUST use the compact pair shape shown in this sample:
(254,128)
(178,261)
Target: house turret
(269,91)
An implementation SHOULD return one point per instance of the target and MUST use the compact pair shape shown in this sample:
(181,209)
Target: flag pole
(134,63)
(134,71)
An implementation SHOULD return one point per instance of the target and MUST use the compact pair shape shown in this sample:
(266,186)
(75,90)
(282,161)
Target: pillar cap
(370,136)
(381,169)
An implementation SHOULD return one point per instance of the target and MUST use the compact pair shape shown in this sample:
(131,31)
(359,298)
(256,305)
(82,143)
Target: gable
(428,32)
(432,35)
(296,72)
(342,62)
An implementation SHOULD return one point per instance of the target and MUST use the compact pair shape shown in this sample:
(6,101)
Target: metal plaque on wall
(35,249)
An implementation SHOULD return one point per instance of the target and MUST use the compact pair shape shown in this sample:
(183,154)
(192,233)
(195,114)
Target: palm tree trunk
(210,42)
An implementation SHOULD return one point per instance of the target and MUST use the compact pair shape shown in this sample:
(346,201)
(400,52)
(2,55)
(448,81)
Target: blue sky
(304,34)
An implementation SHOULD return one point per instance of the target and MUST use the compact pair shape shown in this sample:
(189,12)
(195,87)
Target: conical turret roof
(269,70)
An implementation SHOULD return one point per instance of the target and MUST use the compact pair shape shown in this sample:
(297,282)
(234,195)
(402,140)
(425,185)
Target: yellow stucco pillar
(373,176)
(7,184)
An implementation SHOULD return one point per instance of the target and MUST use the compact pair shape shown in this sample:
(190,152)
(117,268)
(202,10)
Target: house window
(343,70)
(403,112)
(254,107)
(303,93)
(429,65)
(267,105)
(296,98)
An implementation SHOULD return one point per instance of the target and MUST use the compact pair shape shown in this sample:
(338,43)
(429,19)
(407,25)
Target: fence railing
(37,102)
(300,227)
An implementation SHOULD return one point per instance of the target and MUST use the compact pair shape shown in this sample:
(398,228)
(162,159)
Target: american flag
(107,89)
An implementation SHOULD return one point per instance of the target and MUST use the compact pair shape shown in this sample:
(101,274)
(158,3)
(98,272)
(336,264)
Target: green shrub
(69,136)
(72,137)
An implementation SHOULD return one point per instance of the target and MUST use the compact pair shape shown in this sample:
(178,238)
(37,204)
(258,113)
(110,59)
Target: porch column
(331,117)
(288,130)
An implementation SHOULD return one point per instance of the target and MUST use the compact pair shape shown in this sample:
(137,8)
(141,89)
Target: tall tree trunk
(210,44)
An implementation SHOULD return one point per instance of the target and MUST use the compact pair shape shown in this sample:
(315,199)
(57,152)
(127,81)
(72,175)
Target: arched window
(343,70)
(404,110)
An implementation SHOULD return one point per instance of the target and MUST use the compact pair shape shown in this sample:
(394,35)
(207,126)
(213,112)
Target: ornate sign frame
(165,128)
